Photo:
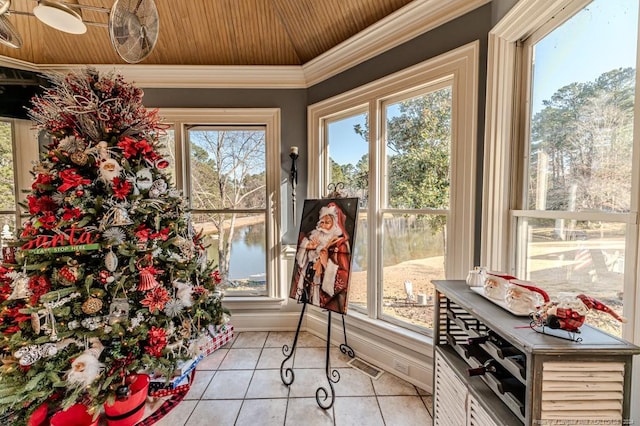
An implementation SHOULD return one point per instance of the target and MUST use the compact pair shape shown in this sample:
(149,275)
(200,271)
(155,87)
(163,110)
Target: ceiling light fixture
(4,6)
(59,16)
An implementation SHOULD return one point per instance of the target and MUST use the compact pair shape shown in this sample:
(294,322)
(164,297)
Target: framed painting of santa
(323,257)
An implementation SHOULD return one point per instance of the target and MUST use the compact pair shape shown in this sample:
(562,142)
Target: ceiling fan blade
(8,34)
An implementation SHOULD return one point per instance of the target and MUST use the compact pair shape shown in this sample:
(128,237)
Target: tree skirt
(157,408)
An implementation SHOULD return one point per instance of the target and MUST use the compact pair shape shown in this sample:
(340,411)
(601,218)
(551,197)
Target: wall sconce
(293,177)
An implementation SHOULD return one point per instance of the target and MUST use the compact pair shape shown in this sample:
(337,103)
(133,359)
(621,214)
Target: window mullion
(376,192)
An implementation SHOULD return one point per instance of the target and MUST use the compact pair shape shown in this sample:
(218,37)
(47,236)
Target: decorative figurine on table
(568,314)
(518,296)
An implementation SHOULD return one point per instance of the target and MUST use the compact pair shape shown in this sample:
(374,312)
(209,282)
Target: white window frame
(269,119)
(25,153)
(508,79)
(459,65)
(16,190)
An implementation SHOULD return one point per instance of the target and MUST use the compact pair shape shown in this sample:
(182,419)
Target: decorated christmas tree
(109,278)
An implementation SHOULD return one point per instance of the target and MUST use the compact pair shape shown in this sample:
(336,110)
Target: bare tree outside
(7,178)
(228,184)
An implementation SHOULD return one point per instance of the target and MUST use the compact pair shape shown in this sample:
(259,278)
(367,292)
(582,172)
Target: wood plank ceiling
(207,32)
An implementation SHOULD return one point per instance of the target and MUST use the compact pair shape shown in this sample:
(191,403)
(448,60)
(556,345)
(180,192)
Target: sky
(596,40)
(345,146)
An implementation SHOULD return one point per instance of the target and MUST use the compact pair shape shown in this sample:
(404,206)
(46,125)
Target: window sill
(236,303)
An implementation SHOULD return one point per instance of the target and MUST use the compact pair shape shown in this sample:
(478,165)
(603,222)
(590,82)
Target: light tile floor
(240,384)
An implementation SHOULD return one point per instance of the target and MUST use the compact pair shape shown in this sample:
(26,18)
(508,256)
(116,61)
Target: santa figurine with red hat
(323,262)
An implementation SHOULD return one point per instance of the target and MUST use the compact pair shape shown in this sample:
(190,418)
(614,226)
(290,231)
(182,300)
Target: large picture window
(405,146)
(225,162)
(575,203)
(228,199)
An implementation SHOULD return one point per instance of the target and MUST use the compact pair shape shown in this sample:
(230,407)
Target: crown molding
(408,22)
(212,76)
(6,61)
(417,17)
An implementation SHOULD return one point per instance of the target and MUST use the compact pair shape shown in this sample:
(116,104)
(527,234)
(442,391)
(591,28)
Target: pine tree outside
(415,201)
(576,195)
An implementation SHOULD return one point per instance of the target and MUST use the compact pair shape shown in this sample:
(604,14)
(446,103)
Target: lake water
(248,257)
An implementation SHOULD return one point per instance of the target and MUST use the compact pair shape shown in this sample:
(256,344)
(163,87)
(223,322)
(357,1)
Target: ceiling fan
(133,24)
(8,34)
(133,28)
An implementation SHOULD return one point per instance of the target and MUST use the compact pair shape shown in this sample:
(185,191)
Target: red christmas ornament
(69,274)
(103,276)
(147,280)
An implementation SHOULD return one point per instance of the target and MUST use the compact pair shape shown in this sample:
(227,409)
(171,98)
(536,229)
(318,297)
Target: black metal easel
(333,376)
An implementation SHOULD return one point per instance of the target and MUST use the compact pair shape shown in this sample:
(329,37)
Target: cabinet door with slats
(450,396)
(589,391)
(478,416)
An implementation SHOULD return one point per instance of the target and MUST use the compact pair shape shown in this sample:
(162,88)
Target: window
(405,146)
(348,173)
(8,207)
(225,162)
(227,189)
(574,217)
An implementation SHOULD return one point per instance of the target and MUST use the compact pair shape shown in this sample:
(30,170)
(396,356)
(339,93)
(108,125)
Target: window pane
(227,168)
(348,147)
(228,173)
(418,149)
(359,262)
(241,252)
(168,151)
(413,253)
(347,142)
(582,111)
(7,183)
(566,257)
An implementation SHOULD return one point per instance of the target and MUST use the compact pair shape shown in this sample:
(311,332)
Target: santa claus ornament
(86,367)
(568,314)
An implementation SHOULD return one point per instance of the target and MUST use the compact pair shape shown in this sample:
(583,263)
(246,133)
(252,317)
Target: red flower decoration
(48,220)
(157,334)
(156,299)
(71,179)
(142,232)
(74,213)
(41,182)
(121,188)
(157,341)
(163,234)
(38,205)
(11,317)
(38,285)
(216,276)
(128,146)
(132,148)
